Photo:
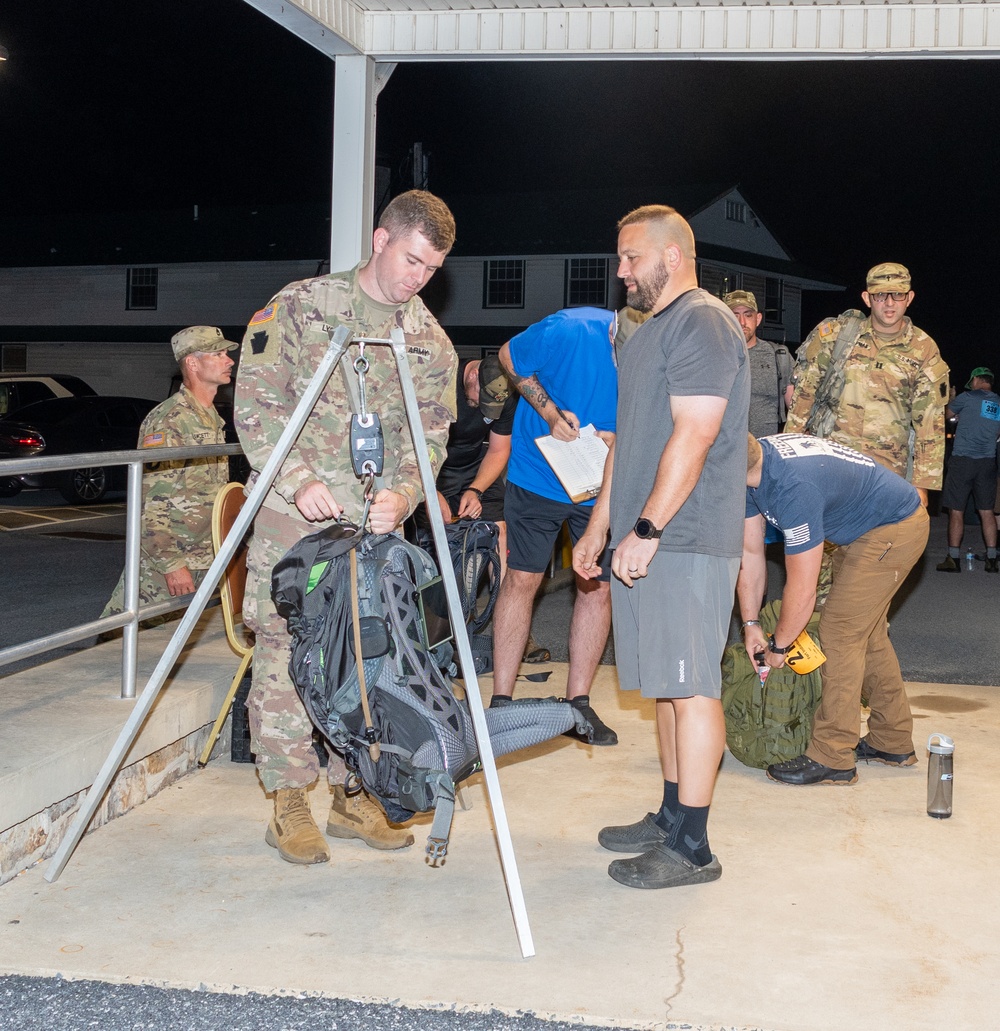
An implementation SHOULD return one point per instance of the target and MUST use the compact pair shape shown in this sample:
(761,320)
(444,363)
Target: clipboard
(578,464)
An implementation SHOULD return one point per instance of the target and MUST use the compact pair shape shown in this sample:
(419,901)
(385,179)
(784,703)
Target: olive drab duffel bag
(770,722)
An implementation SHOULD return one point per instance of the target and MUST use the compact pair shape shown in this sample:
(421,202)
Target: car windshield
(53,411)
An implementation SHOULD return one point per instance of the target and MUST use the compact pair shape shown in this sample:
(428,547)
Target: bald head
(664,226)
(656,258)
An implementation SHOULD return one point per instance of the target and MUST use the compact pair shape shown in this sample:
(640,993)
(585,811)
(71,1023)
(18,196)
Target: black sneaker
(865,752)
(991,566)
(950,565)
(601,734)
(803,770)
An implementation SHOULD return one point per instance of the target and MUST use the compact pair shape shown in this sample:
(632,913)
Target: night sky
(109,105)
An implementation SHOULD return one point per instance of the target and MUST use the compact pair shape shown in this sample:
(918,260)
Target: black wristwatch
(645,530)
(772,647)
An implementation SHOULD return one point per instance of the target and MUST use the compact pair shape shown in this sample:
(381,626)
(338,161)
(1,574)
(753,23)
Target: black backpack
(474,546)
(421,742)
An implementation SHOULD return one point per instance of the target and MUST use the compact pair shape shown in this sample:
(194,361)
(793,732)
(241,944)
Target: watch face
(645,529)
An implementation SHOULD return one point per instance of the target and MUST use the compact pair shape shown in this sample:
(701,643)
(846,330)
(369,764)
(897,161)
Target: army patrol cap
(494,387)
(741,298)
(199,338)
(978,371)
(888,278)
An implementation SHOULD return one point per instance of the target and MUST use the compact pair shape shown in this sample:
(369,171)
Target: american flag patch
(264,315)
(797,535)
(152,440)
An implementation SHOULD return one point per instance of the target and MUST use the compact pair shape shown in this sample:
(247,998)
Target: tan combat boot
(357,816)
(293,831)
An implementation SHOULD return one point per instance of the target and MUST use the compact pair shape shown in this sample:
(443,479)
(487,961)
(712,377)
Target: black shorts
(965,476)
(533,525)
(492,502)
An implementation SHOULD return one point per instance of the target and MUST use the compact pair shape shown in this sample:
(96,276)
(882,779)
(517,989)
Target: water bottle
(970,561)
(940,775)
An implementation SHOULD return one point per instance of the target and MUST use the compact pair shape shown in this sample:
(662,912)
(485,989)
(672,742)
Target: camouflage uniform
(890,388)
(177,498)
(283,345)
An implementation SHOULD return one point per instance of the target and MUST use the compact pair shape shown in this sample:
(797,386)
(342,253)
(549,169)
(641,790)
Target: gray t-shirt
(770,373)
(691,348)
(978,414)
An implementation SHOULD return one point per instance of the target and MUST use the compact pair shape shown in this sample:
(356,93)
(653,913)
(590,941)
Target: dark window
(14,358)
(503,285)
(587,282)
(141,287)
(774,307)
(28,392)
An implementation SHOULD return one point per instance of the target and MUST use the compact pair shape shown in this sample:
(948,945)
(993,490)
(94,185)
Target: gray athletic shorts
(671,626)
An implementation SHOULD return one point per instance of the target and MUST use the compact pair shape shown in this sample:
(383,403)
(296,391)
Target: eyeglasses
(896,295)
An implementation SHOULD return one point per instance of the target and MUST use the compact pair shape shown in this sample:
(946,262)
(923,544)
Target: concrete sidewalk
(838,907)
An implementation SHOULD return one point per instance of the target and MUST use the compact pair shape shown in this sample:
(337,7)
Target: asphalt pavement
(55,1004)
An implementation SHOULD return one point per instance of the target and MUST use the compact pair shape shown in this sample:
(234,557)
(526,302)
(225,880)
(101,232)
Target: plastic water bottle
(940,775)
(970,561)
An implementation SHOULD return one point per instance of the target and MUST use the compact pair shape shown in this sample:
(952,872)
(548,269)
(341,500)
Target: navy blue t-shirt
(814,490)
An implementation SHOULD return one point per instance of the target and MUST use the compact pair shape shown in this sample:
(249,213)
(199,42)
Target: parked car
(20,389)
(72,425)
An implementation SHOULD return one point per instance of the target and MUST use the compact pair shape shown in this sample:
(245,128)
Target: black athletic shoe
(991,566)
(803,770)
(867,754)
(950,565)
(601,733)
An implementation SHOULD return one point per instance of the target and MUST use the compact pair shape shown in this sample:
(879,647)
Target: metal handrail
(128,619)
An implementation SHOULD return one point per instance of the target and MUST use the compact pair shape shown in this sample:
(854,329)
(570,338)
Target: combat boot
(357,816)
(293,831)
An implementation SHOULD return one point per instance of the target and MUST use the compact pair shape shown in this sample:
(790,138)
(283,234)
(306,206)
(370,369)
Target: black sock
(689,834)
(665,818)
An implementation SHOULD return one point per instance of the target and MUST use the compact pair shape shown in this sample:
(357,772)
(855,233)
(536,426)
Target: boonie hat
(980,370)
(199,338)
(494,387)
(888,278)
(738,298)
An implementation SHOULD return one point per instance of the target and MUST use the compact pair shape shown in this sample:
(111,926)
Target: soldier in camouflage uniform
(177,497)
(889,401)
(316,484)
(895,384)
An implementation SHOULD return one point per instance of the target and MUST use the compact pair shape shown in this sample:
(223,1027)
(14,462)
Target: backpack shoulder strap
(823,413)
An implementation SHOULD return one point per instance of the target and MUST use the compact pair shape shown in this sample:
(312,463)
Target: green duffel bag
(770,722)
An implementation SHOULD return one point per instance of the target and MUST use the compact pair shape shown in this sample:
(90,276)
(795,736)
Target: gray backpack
(419,742)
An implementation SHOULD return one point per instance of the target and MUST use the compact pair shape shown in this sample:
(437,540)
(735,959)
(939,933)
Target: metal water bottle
(940,775)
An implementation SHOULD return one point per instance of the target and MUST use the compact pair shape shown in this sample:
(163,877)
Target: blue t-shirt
(814,490)
(572,355)
(978,414)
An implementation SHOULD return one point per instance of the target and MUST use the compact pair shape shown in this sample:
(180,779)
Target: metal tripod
(339,341)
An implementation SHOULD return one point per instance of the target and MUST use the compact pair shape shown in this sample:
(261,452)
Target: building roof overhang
(438,30)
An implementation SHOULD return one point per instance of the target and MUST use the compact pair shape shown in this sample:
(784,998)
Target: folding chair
(228,503)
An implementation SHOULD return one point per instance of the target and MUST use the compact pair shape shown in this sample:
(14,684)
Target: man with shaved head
(672,501)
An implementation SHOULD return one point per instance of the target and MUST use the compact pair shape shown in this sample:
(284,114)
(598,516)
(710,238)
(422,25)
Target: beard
(647,291)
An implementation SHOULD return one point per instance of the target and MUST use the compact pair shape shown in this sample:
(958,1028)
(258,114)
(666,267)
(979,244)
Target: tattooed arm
(563,424)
